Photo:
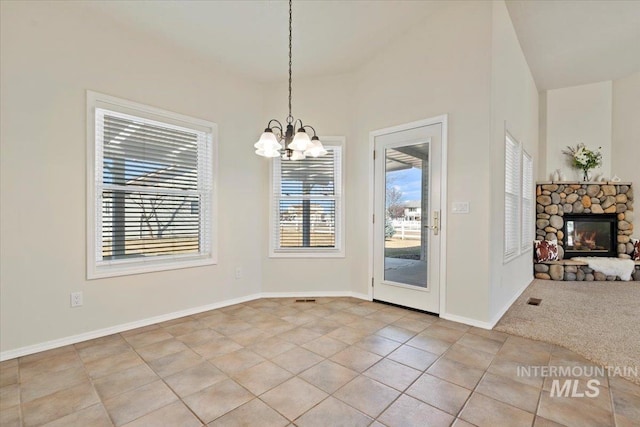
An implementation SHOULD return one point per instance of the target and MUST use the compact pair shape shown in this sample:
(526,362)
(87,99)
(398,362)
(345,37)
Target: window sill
(126,269)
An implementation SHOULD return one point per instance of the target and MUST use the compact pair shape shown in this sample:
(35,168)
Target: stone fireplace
(587,219)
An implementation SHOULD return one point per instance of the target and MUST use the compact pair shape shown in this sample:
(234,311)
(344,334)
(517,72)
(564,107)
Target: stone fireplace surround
(555,199)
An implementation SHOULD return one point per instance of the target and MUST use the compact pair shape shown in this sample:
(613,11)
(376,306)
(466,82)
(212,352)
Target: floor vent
(306,300)
(534,301)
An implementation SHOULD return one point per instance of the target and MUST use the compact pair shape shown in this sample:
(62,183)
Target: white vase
(555,177)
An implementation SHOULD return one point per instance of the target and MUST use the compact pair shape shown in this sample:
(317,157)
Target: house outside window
(151,195)
(412,211)
(307,205)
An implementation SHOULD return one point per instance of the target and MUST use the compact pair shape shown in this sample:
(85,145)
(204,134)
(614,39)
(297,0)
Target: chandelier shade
(280,141)
(301,141)
(268,141)
(316,149)
(268,152)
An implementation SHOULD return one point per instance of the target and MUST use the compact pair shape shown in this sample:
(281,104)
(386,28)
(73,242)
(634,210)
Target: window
(512,188)
(527,202)
(150,194)
(307,209)
(518,199)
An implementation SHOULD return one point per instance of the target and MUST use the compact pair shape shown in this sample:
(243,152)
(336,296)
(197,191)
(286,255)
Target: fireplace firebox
(590,235)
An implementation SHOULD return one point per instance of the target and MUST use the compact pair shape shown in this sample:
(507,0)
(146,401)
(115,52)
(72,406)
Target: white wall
(51,53)
(326,103)
(438,67)
(381,94)
(442,66)
(578,114)
(541,169)
(514,108)
(626,132)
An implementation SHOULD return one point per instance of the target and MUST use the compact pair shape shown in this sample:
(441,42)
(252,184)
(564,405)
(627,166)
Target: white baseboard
(318,294)
(61,342)
(493,322)
(361,296)
(466,321)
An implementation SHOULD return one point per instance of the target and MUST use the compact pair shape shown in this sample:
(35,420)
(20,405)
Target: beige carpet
(598,320)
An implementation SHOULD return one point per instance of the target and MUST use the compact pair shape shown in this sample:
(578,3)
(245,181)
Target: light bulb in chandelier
(268,142)
(301,141)
(297,155)
(316,149)
(267,152)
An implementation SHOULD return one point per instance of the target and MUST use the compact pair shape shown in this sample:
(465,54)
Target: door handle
(436,223)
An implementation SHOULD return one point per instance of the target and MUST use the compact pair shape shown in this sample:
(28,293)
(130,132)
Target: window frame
(526,237)
(96,269)
(510,255)
(339,250)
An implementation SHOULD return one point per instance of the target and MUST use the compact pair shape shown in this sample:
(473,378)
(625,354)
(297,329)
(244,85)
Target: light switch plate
(460,208)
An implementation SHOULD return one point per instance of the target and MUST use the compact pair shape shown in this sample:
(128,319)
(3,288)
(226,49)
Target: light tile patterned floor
(277,362)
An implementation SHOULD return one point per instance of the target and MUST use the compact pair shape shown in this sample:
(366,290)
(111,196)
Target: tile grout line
(20,409)
(613,407)
(424,372)
(542,390)
(84,368)
(374,419)
(266,391)
(161,379)
(360,374)
(504,403)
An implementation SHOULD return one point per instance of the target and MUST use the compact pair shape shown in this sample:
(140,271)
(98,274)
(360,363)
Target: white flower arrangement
(583,158)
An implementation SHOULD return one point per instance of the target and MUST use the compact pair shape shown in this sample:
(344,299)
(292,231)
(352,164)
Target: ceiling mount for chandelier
(278,140)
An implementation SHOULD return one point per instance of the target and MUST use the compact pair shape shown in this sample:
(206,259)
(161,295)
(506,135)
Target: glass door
(407,236)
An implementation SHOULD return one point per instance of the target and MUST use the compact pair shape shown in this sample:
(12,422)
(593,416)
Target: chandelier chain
(290,117)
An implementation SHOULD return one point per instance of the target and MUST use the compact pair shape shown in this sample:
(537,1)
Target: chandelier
(278,141)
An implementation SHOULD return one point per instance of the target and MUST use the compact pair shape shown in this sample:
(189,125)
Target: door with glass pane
(407,224)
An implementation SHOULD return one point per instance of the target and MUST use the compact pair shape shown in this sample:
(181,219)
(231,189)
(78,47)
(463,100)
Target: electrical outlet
(76,299)
(238,272)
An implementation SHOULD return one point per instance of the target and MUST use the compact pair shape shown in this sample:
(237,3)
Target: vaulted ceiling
(565,42)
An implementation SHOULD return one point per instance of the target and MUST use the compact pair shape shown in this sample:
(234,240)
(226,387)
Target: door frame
(443,119)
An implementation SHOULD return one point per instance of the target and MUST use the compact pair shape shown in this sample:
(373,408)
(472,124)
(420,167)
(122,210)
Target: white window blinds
(153,189)
(527,201)
(307,203)
(511,198)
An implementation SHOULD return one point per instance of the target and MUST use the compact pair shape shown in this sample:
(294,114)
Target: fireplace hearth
(590,235)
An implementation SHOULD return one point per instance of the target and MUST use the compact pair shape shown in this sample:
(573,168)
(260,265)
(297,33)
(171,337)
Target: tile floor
(277,362)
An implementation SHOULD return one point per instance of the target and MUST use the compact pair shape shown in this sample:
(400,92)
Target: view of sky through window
(408,181)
